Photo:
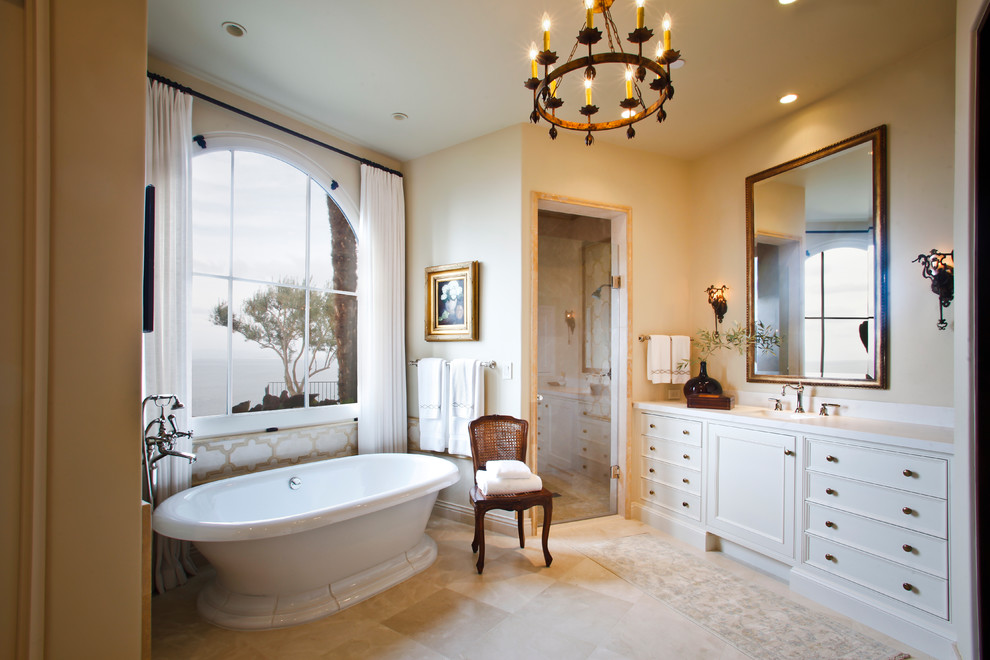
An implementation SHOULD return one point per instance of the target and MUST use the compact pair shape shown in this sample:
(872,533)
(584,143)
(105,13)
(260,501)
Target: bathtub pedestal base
(236,611)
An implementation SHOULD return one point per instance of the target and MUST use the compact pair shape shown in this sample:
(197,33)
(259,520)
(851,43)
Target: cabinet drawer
(917,512)
(675,476)
(917,474)
(675,500)
(595,431)
(904,546)
(673,452)
(671,428)
(592,469)
(595,451)
(909,586)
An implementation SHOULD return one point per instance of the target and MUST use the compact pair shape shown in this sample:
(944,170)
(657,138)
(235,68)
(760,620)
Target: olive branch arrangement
(739,338)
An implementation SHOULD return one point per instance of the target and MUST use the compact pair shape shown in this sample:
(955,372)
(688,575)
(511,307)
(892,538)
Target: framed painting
(452,302)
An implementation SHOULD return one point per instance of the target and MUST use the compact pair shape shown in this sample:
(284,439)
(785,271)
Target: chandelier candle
(633,106)
(532,56)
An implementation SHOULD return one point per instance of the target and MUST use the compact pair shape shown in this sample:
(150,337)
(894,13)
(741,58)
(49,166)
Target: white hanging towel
(658,359)
(432,402)
(467,402)
(680,351)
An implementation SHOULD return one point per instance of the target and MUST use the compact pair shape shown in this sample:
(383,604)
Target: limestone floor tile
(522,637)
(574,612)
(651,630)
(508,594)
(380,643)
(446,621)
(591,575)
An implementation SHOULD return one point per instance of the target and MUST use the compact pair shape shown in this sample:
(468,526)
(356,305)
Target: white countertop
(904,435)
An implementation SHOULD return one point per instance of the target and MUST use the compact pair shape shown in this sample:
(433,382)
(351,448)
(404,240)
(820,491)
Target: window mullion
(306,276)
(230,295)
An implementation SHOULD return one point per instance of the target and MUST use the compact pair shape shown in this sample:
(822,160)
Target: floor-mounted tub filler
(298,543)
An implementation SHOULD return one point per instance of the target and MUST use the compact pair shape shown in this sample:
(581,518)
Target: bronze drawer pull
(686,432)
(684,504)
(908,586)
(907,548)
(584,430)
(652,448)
(907,510)
(908,473)
(831,459)
(829,557)
(829,491)
(788,452)
(653,426)
(685,480)
(652,492)
(686,457)
(829,523)
(652,470)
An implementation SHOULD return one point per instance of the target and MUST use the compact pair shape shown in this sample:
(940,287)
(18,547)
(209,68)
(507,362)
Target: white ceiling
(456,67)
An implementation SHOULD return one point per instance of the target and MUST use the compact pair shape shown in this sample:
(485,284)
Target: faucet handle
(824,410)
(776,403)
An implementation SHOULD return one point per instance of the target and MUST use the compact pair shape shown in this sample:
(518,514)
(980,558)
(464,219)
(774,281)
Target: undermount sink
(785,414)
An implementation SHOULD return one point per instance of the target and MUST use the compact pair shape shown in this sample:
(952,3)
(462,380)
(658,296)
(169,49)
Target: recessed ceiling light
(786,2)
(399,116)
(233,29)
(788,98)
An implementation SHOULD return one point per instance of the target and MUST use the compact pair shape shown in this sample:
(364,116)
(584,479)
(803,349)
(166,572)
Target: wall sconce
(938,267)
(571,322)
(716,298)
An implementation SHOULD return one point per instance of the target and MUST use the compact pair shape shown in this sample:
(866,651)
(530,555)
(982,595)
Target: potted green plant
(764,338)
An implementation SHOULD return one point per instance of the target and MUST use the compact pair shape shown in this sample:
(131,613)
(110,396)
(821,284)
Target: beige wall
(11,301)
(79,211)
(920,206)
(963,516)
(462,204)
(655,188)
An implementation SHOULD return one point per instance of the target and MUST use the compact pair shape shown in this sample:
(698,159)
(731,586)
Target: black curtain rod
(245,113)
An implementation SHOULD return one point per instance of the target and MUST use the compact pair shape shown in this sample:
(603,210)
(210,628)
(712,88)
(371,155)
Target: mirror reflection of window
(839,319)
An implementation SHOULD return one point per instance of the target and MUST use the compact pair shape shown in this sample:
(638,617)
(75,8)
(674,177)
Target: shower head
(176,405)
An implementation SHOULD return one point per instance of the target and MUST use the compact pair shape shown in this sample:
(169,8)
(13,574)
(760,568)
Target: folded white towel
(680,351)
(508,469)
(467,402)
(433,402)
(489,485)
(658,359)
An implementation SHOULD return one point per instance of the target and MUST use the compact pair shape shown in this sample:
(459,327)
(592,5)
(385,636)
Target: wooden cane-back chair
(503,438)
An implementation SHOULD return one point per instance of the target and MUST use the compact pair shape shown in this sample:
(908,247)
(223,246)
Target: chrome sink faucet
(798,390)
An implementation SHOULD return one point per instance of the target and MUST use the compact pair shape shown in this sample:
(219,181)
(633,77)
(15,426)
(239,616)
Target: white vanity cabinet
(570,437)
(751,488)
(852,513)
(879,520)
(669,455)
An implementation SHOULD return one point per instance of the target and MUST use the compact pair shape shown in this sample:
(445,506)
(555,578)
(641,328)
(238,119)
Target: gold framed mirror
(816,265)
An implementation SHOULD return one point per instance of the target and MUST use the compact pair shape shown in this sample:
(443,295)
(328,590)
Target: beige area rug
(751,618)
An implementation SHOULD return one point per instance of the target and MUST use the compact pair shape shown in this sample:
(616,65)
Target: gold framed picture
(452,302)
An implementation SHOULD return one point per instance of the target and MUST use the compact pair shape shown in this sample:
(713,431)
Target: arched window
(273,293)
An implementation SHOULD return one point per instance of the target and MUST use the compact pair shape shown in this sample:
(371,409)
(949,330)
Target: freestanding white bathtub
(297,543)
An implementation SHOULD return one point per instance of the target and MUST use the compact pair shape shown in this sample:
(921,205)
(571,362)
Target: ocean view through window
(273,303)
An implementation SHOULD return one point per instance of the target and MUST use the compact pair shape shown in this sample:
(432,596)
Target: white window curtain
(381,313)
(168,148)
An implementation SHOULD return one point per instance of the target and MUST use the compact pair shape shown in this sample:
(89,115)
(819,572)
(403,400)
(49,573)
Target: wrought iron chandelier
(634,108)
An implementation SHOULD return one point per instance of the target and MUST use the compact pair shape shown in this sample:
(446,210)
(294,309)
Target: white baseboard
(934,638)
(679,529)
(496,522)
